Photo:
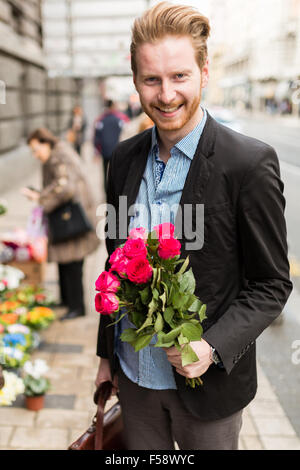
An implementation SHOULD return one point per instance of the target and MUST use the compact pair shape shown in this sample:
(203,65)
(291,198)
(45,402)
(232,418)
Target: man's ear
(205,74)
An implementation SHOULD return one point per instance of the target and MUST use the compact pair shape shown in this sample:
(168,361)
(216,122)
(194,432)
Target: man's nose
(167,92)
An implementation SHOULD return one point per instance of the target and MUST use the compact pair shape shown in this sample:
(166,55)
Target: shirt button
(158,202)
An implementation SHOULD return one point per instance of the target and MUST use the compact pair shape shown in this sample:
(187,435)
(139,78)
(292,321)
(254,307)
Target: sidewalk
(69,348)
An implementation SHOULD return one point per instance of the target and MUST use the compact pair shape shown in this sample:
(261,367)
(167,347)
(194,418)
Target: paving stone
(5,433)
(71,386)
(85,404)
(39,438)
(16,417)
(265,408)
(60,347)
(248,427)
(252,443)
(241,444)
(274,427)
(62,419)
(77,360)
(281,443)
(64,373)
(88,373)
(65,402)
(265,392)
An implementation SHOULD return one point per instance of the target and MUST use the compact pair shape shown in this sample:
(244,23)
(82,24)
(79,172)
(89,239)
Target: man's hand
(196,369)
(104,375)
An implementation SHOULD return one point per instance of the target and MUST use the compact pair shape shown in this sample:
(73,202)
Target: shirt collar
(189,143)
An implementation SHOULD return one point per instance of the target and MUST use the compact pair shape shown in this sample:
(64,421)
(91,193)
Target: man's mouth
(169,112)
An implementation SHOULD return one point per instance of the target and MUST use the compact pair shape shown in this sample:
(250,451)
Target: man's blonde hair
(168,19)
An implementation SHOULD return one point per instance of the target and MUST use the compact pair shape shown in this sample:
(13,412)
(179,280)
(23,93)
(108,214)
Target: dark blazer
(242,270)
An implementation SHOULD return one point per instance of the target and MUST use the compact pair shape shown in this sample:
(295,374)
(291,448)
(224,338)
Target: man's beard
(176,123)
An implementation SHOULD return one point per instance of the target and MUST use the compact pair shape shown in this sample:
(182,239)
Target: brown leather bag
(106,430)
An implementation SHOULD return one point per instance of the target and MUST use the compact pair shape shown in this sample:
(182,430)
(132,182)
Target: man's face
(169,82)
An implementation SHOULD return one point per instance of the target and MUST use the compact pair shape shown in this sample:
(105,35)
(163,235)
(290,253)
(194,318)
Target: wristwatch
(214,356)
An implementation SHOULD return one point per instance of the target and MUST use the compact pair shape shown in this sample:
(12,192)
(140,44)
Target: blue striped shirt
(157,202)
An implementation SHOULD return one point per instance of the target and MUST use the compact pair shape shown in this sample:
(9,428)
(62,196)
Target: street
(275,344)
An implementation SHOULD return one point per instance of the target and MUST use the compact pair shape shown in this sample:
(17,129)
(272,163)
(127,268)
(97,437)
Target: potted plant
(36,384)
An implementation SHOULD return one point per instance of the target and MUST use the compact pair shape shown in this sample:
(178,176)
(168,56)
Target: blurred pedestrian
(107,132)
(77,126)
(63,181)
(241,268)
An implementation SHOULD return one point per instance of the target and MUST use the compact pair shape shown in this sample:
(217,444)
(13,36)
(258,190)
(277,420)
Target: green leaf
(155,273)
(155,294)
(159,323)
(184,266)
(142,341)
(191,331)
(145,295)
(165,288)
(179,300)
(169,314)
(182,339)
(196,305)
(147,322)
(172,334)
(129,335)
(160,343)
(163,298)
(202,312)
(152,306)
(187,282)
(188,355)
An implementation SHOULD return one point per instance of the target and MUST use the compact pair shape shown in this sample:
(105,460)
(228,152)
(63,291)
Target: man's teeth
(169,110)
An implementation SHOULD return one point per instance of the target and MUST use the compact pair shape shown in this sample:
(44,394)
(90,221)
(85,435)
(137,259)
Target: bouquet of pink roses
(158,298)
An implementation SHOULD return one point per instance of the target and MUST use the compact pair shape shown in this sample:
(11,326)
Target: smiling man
(241,271)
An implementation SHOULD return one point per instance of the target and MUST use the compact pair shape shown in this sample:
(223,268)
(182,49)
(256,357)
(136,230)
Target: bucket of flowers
(13,386)
(10,278)
(31,338)
(38,318)
(13,356)
(36,384)
(146,284)
(9,318)
(31,296)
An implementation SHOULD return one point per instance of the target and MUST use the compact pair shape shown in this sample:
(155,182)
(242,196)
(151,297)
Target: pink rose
(168,248)
(139,270)
(120,266)
(106,303)
(135,248)
(165,230)
(139,232)
(107,282)
(116,255)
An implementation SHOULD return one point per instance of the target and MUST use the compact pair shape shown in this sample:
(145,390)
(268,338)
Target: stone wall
(32,99)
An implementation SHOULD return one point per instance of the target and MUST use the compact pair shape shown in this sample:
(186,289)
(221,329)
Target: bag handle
(101,395)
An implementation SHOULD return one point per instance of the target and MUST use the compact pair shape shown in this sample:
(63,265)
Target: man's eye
(179,76)
(151,80)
